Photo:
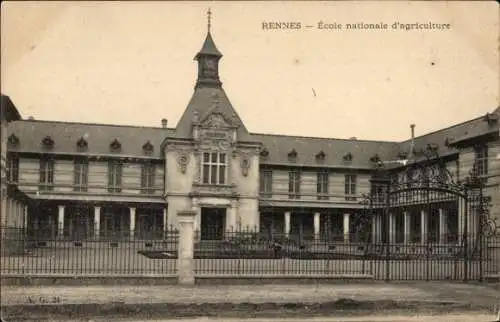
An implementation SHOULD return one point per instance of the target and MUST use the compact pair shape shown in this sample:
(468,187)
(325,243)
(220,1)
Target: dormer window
(348,157)
(148,148)
(115,146)
(292,155)
(48,142)
(13,140)
(403,155)
(320,156)
(82,144)
(264,153)
(375,158)
(432,147)
(491,118)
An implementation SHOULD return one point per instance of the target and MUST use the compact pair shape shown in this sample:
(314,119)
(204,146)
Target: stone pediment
(215,117)
(216,120)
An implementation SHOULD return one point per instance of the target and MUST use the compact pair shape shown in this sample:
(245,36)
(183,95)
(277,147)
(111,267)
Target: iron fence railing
(122,254)
(250,252)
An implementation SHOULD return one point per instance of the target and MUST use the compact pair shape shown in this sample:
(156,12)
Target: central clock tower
(208,62)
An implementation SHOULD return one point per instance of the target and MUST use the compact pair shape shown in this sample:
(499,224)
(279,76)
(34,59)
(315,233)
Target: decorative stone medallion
(245,164)
(183,160)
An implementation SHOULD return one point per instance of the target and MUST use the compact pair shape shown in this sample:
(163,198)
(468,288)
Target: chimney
(164,123)
(412,126)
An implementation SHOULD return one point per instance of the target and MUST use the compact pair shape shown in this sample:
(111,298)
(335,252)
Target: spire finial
(209,18)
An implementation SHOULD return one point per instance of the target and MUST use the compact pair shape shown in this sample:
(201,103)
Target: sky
(131,63)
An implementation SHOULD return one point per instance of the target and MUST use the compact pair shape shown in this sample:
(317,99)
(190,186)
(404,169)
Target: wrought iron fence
(249,252)
(121,254)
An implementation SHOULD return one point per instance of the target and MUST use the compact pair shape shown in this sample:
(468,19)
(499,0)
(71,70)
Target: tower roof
(201,105)
(209,47)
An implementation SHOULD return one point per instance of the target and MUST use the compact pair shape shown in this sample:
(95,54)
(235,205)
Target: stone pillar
(423,227)
(317,225)
(5,215)
(25,219)
(132,221)
(407,227)
(443,227)
(346,228)
(287,224)
(97,221)
(60,222)
(15,218)
(195,206)
(392,228)
(231,218)
(165,223)
(185,266)
(257,222)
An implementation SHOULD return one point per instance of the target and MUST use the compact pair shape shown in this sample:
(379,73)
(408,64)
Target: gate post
(186,247)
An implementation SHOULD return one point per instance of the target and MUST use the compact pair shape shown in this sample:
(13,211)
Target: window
(12,168)
(46,174)
(266,183)
(115,173)
(481,161)
(294,184)
(378,193)
(214,167)
(148,178)
(410,182)
(410,174)
(350,187)
(322,185)
(81,174)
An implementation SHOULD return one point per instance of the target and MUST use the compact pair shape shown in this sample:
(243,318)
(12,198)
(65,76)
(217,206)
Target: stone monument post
(185,219)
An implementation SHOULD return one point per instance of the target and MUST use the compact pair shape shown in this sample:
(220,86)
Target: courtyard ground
(243,301)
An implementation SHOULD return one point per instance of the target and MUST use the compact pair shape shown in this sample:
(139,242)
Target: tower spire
(209,18)
(208,60)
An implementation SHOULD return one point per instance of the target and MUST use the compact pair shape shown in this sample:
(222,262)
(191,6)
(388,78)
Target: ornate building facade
(100,180)
(14,202)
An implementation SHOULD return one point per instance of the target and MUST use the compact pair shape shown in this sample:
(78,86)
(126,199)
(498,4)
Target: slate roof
(98,136)
(307,148)
(8,110)
(202,102)
(209,47)
(452,134)
(132,138)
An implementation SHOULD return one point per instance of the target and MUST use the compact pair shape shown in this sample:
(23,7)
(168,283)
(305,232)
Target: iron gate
(427,225)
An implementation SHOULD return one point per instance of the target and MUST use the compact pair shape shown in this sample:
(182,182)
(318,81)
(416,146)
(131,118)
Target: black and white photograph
(250,161)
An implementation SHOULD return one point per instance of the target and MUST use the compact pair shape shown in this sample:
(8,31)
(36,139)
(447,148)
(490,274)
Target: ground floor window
(149,223)
(212,223)
(115,222)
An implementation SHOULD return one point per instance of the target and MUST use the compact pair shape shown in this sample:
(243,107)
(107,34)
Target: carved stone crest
(215,121)
(245,164)
(196,117)
(183,160)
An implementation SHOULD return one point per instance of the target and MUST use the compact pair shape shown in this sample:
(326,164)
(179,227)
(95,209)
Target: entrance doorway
(301,227)
(212,223)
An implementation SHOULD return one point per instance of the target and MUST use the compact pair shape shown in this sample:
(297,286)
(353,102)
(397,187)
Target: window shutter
(153,176)
(144,175)
(119,173)
(42,171)
(76,173)
(85,173)
(110,175)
